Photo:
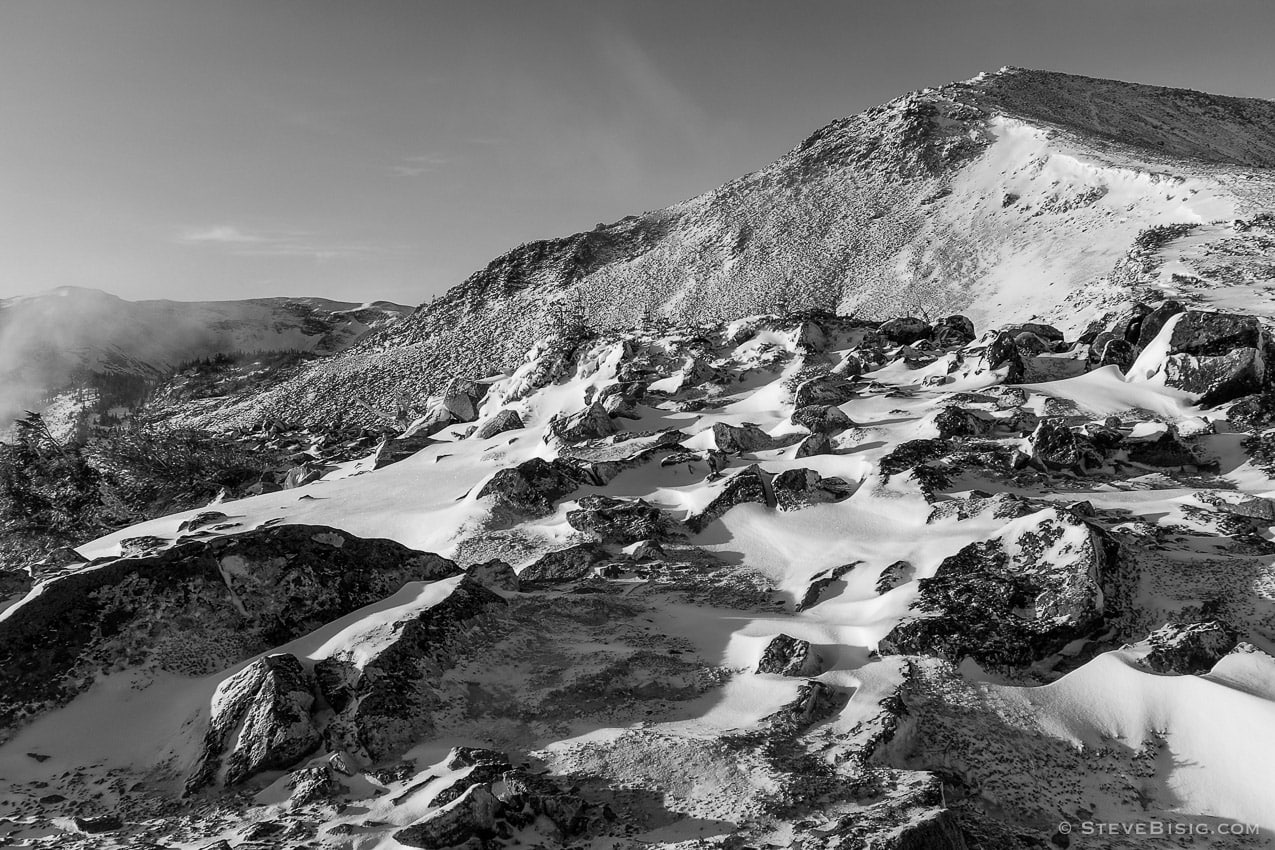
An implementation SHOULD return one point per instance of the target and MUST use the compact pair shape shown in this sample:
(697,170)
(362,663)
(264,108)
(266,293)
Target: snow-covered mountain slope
(48,342)
(1014,195)
(788,581)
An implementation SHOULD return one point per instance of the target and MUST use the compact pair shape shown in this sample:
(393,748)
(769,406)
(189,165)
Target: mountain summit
(1013,195)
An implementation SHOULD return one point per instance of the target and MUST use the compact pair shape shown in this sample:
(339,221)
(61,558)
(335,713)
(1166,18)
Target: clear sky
(363,149)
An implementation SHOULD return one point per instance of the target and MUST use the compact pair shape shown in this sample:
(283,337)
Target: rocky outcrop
(385,690)
(588,424)
(570,564)
(1010,600)
(799,488)
(1056,447)
(821,419)
(260,720)
(194,609)
(746,439)
(505,420)
(789,656)
(953,331)
(1184,649)
(1217,356)
(905,330)
(530,489)
(400,448)
(747,485)
(830,389)
(599,461)
(1002,353)
(470,816)
(621,521)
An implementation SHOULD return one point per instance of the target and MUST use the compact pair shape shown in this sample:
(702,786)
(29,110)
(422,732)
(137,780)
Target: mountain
(50,342)
(1013,195)
(814,577)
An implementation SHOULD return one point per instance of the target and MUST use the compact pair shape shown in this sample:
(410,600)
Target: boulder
(788,656)
(1056,447)
(470,816)
(1153,322)
(600,461)
(587,424)
(311,784)
(1002,352)
(821,419)
(570,564)
(747,438)
(747,485)
(260,720)
(505,420)
(833,388)
(799,488)
(98,824)
(905,330)
(1112,352)
(1184,649)
(1050,334)
(400,448)
(953,331)
(1031,344)
(532,488)
(1166,450)
(194,609)
(1128,325)
(815,444)
(621,521)
(1011,600)
(460,398)
(954,421)
(821,582)
(494,575)
(1217,356)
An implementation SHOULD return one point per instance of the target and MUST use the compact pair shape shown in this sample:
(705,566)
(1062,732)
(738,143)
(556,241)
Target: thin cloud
(273,243)
(419,166)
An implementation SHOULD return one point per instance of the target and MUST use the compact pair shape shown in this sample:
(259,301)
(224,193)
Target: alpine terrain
(915,492)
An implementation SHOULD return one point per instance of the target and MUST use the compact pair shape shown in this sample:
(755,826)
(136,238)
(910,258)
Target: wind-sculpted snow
(1015,586)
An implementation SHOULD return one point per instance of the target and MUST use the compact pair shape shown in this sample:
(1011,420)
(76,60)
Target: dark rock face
(1008,602)
(532,488)
(1030,343)
(400,448)
(747,485)
(1050,334)
(195,608)
(1057,447)
(470,816)
(1219,356)
(587,424)
(570,564)
(495,575)
(905,330)
(815,444)
(384,702)
(821,582)
(1154,321)
(953,421)
(505,420)
(894,575)
(599,461)
(953,331)
(1188,649)
(1004,352)
(95,825)
(621,521)
(263,714)
(798,488)
(788,656)
(821,419)
(310,784)
(831,389)
(1167,450)
(745,439)
(1114,352)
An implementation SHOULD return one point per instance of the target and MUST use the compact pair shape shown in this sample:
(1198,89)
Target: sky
(385,149)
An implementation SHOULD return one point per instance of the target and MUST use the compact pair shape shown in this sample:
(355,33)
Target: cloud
(273,243)
(419,166)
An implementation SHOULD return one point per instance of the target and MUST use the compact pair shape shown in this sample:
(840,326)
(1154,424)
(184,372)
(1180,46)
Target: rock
(821,419)
(260,720)
(788,656)
(815,444)
(600,461)
(400,448)
(97,824)
(933,829)
(531,489)
(747,485)
(1153,322)
(587,424)
(953,331)
(621,521)
(799,488)
(460,399)
(747,438)
(1030,343)
(301,475)
(1165,450)
(1050,334)
(894,575)
(1218,356)
(137,547)
(1113,352)
(905,330)
(1188,649)
(570,564)
(821,582)
(201,520)
(1011,600)
(194,609)
(832,388)
(472,815)
(1128,325)
(494,575)
(1239,504)
(1002,352)
(954,421)
(1056,447)
(310,784)
(385,691)
(505,420)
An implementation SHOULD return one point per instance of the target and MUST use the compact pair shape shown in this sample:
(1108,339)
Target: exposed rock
(385,692)
(260,720)
(1166,450)
(400,448)
(788,656)
(1153,322)
(495,575)
(505,420)
(532,488)
(1003,352)
(1030,343)
(587,424)
(953,421)
(599,461)
(1057,447)
(1011,600)
(815,444)
(194,609)
(472,815)
(1113,352)
(827,389)
(821,419)
(905,330)
(1239,504)
(798,488)
(621,521)
(953,331)
(747,485)
(310,784)
(570,564)
(1218,356)
(201,520)
(1184,649)
(98,824)
(821,582)
(895,574)
(1050,334)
